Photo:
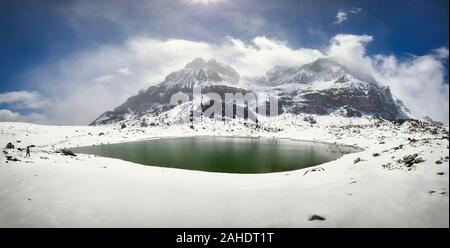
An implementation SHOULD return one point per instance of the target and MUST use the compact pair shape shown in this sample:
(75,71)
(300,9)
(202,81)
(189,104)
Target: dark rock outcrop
(67,152)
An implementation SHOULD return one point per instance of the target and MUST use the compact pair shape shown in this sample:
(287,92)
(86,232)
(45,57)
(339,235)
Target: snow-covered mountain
(322,87)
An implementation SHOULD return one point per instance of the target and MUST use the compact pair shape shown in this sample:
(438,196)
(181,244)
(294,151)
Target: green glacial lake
(222,154)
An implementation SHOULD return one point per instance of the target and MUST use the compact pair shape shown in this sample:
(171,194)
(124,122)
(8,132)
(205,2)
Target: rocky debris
(439,162)
(357,160)
(351,112)
(66,152)
(100,134)
(10,158)
(9,146)
(314,170)
(123,126)
(316,218)
(410,160)
(432,122)
(310,120)
(398,147)
(18,141)
(440,173)
(387,166)
(32,146)
(376,154)
(5,152)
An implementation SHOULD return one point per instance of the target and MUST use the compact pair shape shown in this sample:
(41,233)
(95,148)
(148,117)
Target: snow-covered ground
(53,190)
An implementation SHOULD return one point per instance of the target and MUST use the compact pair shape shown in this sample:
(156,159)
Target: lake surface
(222,154)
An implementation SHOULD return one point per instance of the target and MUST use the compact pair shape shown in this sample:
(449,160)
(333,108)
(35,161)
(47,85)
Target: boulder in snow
(9,146)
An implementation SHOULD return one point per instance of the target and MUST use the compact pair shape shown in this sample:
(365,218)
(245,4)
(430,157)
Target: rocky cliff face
(322,87)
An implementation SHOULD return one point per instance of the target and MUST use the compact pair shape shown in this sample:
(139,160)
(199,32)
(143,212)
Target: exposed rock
(9,146)
(351,112)
(314,170)
(398,147)
(10,158)
(316,217)
(67,152)
(100,134)
(410,160)
(310,120)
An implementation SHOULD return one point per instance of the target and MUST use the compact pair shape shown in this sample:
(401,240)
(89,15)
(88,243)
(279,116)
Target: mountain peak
(196,63)
(214,70)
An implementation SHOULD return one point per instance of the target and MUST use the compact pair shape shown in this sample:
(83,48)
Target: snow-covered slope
(322,87)
(370,188)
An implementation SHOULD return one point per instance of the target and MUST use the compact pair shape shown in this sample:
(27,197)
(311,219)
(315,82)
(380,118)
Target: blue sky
(36,36)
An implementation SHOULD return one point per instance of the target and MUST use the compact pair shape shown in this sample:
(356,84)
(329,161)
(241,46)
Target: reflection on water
(222,154)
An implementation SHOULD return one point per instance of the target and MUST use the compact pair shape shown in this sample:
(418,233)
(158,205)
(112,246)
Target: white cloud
(441,53)
(24,100)
(262,54)
(418,81)
(355,10)
(9,116)
(342,15)
(88,83)
(105,78)
(125,71)
(350,50)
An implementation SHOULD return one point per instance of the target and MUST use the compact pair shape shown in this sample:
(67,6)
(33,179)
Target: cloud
(342,15)
(179,18)
(87,83)
(9,116)
(441,53)
(351,51)
(262,54)
(24,100)
(419,81)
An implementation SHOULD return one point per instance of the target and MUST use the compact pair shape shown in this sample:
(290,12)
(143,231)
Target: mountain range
(322,87)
